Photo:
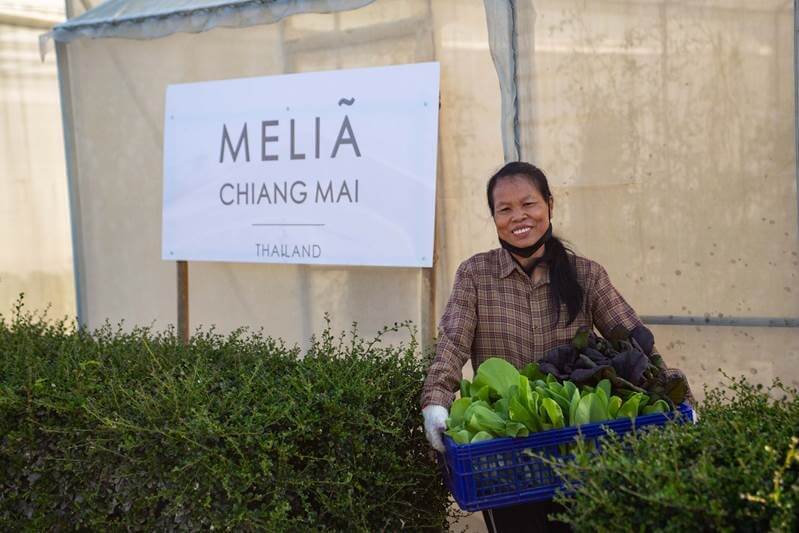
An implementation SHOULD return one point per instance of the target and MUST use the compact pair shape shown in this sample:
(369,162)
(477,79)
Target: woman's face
(520,212)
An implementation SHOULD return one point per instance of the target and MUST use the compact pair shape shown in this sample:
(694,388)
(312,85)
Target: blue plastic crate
(501,472)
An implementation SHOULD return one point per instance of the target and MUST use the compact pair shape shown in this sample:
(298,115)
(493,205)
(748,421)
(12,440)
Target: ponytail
(564,287)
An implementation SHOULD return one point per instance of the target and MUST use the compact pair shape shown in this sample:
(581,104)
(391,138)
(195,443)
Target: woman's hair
(563,284)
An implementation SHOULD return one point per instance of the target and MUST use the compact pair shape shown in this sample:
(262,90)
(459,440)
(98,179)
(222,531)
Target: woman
(517,302)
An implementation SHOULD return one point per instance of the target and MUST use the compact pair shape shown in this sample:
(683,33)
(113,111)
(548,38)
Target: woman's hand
(435,423)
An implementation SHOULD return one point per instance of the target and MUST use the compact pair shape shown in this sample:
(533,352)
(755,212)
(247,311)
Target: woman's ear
(551,206)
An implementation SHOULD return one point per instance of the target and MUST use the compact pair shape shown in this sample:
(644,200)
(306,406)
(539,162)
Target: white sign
(334,168)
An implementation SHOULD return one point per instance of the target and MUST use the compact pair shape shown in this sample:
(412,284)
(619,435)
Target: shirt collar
(506,264)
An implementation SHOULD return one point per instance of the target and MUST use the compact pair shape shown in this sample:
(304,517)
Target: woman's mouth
(522,232)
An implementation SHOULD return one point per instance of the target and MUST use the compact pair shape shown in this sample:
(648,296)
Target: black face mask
(528,250)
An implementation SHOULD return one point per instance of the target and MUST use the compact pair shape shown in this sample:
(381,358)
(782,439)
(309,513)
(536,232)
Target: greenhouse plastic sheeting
(36,257)
(116,100)
(149,19)
(668,132)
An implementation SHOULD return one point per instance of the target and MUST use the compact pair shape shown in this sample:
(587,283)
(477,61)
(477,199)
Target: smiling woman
(517,302)
(521,215)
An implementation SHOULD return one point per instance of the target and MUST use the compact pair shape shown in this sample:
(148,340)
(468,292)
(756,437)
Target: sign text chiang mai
(332,168)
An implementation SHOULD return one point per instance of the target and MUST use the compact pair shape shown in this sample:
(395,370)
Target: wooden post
(183,301)
(428,307)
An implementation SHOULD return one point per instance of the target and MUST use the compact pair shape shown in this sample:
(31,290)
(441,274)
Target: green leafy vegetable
(516,429)
(520,413)
(498,374)
(531,372)
(575,401)
(614,404)
(605,386)
(460,436)
(465,388)
(481,436)
(501,408)
(484,419)
(524,390)
(659,406)
(503,402)
(602,397)
(590,409)
(580,340)
(482,393)
(457,411)
(553,412)
(569,388)
(629,408)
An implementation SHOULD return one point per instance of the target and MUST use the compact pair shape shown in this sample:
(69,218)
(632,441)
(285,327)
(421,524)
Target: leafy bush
(132,430)
(735,470)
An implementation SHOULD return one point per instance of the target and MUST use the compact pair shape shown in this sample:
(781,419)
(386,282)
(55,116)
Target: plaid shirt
(496,310)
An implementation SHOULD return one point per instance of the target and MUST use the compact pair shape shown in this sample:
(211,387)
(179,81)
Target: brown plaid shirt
(496,310)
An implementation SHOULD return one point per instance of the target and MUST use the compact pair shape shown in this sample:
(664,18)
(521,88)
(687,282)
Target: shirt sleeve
(608,306)
(454,344)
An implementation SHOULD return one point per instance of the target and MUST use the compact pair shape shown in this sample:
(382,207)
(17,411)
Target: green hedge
(132,430)
(737,469)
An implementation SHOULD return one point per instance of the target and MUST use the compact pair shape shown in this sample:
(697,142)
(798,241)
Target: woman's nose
(518,214)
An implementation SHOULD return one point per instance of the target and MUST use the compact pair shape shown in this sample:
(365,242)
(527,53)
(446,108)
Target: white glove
(435,423)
